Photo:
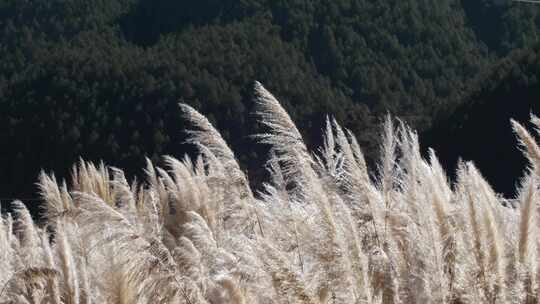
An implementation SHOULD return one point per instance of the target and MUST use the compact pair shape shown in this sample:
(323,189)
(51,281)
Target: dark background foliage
(101,79)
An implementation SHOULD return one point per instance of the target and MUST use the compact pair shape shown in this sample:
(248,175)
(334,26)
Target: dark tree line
(101,79)
(480,129)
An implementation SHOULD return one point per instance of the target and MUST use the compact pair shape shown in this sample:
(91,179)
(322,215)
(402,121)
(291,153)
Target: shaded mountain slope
(480,129)
(102,79)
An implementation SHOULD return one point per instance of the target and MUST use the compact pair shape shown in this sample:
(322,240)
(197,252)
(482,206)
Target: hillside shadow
(148,20)
(481,131)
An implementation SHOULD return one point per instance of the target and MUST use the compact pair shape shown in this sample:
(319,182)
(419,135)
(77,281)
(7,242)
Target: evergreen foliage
(101,79)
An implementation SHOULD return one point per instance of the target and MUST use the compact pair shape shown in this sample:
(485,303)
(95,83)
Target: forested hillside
(101,79)
(480,130)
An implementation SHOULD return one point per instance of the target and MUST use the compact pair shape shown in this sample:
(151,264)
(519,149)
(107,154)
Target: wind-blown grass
(322,231)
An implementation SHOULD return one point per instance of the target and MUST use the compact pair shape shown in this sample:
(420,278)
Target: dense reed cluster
(324,230)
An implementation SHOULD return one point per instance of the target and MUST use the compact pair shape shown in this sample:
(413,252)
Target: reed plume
(324,229)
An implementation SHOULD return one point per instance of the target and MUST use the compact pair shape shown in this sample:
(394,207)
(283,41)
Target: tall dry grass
(324,230)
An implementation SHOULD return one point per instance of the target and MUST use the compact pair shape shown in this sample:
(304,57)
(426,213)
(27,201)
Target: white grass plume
(324,231)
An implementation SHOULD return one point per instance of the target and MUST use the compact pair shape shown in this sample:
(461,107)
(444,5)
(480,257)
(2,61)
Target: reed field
(323,230)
